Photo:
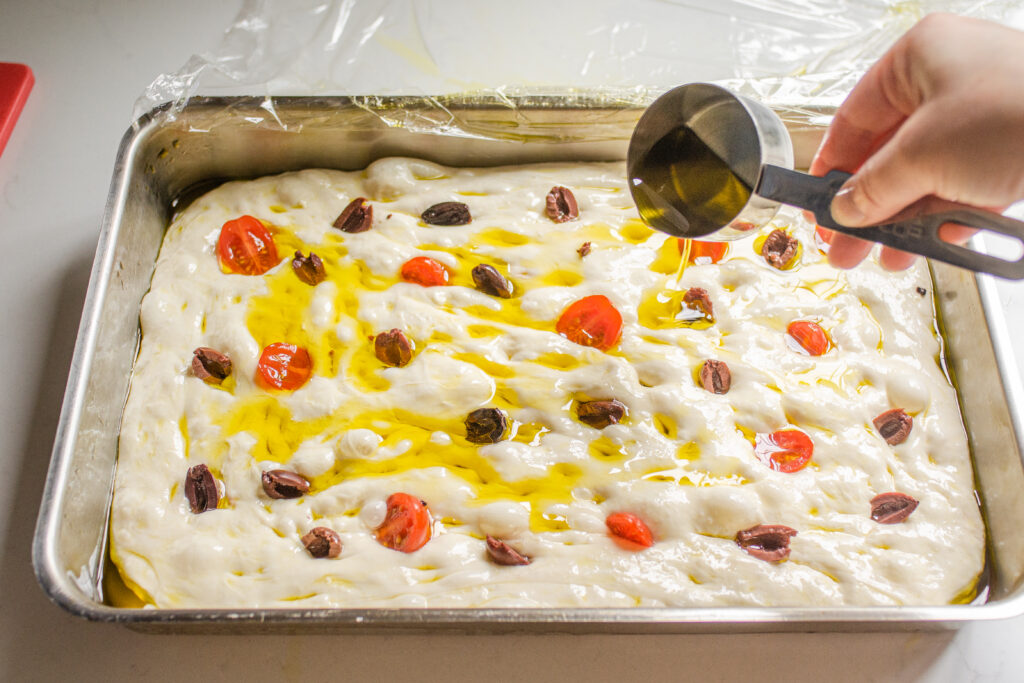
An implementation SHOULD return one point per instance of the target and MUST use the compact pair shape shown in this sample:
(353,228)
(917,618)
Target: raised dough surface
(683,460)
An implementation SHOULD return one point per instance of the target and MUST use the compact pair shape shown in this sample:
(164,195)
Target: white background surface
(91,60)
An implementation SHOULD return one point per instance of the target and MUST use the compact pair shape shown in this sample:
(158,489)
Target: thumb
(891,179)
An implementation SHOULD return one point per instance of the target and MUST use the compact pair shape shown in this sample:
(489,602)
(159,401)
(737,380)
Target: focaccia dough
(683,460)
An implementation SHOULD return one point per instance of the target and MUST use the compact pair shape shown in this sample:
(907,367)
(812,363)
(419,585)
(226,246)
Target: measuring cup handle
(918,235)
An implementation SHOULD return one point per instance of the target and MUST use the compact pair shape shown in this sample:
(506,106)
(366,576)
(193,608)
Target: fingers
(957,234)
(894,259)
(846,252)
(851,251)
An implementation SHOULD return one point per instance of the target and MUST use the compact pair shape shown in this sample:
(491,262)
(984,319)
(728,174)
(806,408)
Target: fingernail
(844,210)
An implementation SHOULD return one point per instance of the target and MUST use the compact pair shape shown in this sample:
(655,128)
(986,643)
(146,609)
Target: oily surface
(682,459)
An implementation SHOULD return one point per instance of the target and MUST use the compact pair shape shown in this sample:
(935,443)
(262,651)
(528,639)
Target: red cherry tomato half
(245,246)
(824,236)
(787,450)
(629,531)
(407,524)
(703,252)
(283,366)
(591,321)
(425,272)
(810,336)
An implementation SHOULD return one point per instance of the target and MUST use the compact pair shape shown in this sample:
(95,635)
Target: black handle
(919,235)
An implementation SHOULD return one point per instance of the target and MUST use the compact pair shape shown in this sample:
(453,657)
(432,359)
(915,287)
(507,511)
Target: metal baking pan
(166,157)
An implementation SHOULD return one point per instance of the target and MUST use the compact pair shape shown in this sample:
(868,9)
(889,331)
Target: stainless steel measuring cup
(705,162)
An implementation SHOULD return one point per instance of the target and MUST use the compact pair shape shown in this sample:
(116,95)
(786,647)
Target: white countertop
(91,60)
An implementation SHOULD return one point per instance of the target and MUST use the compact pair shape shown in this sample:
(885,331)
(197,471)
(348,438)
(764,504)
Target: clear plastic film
(799,56)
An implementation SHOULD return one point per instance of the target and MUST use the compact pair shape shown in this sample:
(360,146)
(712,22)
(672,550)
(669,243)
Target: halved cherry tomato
(702,252)
(786,450)
(407,524)
(810,336)
(823,236)
(424,271)
(283,366)
(629,531)
(245,246)
(591,321)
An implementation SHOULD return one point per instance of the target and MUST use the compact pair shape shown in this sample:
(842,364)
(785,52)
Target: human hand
(939,118)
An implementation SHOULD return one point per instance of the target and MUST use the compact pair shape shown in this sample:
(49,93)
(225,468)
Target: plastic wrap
(799,56)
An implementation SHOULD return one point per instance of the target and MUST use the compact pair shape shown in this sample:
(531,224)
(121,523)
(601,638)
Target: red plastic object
(15,83)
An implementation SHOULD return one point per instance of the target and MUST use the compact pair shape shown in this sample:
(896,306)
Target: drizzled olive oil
(682,187)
